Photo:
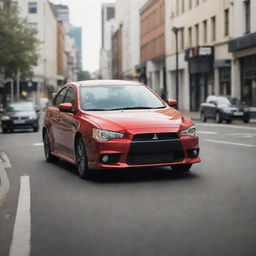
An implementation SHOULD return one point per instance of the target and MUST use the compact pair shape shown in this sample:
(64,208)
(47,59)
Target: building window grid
(205,31)
(190,37)
(247,8)
(226,22)
(213,23)
(197,34)
(32,7)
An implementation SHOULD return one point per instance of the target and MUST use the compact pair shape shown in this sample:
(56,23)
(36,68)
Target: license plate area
(19,121)
(238,113)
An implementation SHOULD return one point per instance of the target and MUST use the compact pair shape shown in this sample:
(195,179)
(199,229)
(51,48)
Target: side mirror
(66,107)
(37,109)
(172,103)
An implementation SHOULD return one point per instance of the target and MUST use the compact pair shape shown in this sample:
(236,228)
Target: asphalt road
(151,211)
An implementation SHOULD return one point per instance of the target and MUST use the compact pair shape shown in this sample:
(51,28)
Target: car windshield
(118,97)
(18,107)
(223,101)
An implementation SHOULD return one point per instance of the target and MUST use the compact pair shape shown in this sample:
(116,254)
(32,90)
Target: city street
(208,211)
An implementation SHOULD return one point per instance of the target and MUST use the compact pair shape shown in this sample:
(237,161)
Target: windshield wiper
(140,107)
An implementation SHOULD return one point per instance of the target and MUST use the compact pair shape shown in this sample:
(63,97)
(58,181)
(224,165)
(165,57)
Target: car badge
(155,137)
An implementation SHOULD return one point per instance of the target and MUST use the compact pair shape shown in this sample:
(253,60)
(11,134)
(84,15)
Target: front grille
(24,118)
(155,151)
(14,118)
(150,136)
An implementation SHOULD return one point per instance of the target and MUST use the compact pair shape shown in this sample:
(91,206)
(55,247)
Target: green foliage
(18,43)
(84,75)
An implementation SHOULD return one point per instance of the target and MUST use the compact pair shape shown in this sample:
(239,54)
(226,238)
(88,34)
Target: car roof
(108,82)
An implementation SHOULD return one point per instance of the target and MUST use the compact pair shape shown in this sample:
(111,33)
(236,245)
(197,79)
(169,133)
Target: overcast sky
(87,14)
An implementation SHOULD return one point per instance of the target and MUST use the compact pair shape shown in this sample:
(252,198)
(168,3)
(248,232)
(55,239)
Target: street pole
(18,84)
(175,30)
(12,92)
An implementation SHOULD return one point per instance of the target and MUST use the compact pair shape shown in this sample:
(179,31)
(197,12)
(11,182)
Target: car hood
(138,119)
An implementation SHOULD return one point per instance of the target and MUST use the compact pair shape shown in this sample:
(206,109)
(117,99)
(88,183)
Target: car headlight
(32,117)
(190,131)
(5,118)
(104,135)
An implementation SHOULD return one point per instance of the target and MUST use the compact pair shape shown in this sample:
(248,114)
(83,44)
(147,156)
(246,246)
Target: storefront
(244,51)
(200,60)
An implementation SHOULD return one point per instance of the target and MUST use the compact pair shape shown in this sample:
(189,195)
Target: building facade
(107,26)
(76,34)
(41,17)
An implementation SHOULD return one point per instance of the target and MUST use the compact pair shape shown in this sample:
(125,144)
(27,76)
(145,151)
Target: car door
(54,117)
(68,124)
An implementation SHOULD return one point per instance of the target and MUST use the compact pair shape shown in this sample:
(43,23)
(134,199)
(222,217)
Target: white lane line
(207,132)
(231,143)
(38,144)
(22,228)
(227,126)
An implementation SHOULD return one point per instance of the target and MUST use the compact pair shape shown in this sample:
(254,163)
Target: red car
(117,124)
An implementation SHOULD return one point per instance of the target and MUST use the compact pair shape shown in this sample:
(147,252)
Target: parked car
(117,124)
(223,108)
(20,115)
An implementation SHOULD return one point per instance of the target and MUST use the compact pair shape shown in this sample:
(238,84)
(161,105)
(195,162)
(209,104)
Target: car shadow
(131,175)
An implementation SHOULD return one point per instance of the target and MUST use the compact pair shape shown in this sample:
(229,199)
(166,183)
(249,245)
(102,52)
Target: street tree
(18,43)
(84,75)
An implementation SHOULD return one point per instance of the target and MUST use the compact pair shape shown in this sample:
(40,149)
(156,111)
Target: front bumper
(127,154)
(234,116)
(25,124)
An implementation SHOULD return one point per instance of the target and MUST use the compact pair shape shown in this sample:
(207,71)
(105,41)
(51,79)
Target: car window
(118,97)
(21,106)
(70,96)
(60,97)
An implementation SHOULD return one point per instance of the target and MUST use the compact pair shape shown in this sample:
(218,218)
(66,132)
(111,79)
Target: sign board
(200,51)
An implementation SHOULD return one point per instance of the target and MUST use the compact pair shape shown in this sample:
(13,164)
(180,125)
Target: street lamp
(175,30)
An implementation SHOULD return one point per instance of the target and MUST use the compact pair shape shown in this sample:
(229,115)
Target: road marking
(38,144)
(231,143)
(227,126)
(22,228)
(207,132)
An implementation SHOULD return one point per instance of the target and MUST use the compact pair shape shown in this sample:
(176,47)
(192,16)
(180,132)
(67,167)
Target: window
(197,2)
(70,97)
(190,36)
(182,38)
(189,4)
(182,6)
(205,31)
(32,26)
(177,7)
(60,97)
(32,7)
(110,13)
(213,22)
(197,34)
(226,22)
(247,8)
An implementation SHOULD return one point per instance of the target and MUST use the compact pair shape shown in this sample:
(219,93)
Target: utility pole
(175,31)
(18,84)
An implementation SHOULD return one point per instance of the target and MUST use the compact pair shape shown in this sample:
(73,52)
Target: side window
(70,97)
(60,97)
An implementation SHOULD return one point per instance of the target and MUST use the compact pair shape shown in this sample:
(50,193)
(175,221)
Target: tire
(81,160)
(5,130)
(229,121)
(246,121)
(203,118)
(47,149)
(36,129)
(218,118)
(181,167)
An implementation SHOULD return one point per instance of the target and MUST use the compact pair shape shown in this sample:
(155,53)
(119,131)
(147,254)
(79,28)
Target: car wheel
(81,160)
(246,121)
(218,118)
(203,117)
(36,129)
(47,149)
(181,167)
(229,121)
(5,130)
